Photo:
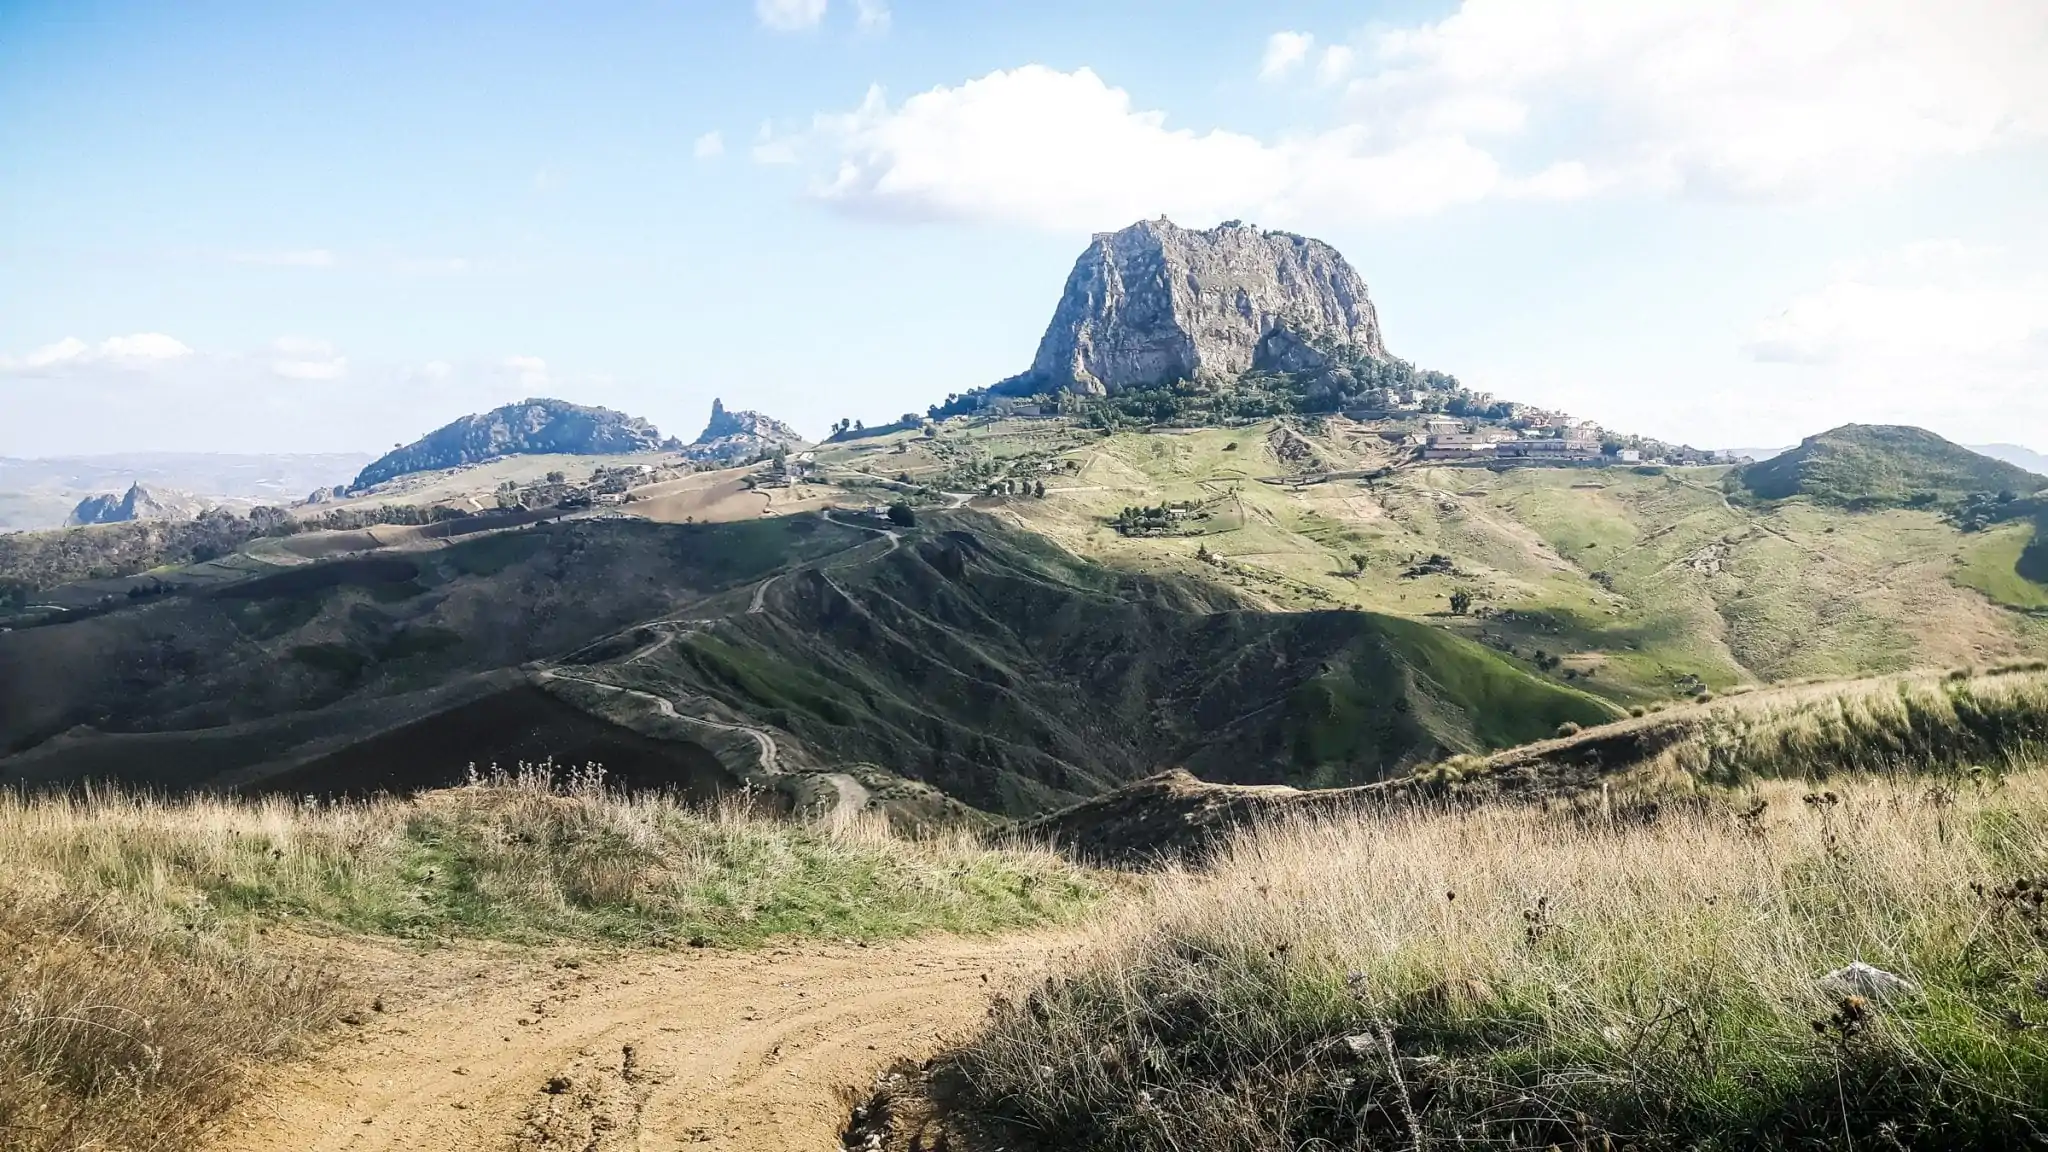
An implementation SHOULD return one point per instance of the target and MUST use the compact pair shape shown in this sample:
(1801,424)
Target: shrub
(902,515)
(1568,728)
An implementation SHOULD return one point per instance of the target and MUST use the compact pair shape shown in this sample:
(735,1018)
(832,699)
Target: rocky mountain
(528,427)
(1881,464)
(737,437)
(138,503)
(1156,302)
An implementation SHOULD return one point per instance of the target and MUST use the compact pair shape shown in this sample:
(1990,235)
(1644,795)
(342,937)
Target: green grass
(142,988)
(1991,565)
(1862,465)
(1504,705)
(520,861)
(1657,583)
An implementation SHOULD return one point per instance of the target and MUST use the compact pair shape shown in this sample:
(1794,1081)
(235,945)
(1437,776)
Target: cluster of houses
(1447,438)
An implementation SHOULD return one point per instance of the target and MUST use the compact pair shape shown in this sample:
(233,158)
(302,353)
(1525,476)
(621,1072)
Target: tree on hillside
(901,515)
(1359,560)
(1461,602)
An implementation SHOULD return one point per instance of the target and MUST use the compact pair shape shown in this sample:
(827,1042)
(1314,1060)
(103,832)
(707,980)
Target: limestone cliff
(737,437)
(1156,302)
(530,426)
(138,503)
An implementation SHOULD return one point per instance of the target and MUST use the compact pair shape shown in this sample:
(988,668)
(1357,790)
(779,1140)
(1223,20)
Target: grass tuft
(1506,977)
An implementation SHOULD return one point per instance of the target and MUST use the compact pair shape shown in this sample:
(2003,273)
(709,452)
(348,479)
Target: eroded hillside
(967,660)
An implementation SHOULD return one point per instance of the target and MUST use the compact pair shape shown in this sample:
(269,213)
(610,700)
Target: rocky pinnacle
(1156,302)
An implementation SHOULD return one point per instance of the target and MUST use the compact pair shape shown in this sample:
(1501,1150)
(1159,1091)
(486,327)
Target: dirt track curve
(726,1052)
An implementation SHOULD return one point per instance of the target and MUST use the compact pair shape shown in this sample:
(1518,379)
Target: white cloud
(531,370)
(1336,63)
(298,358)
(1546,99)
(1923,305)
(708,145)
(138,348)
(789,15)
(143,346)
(1284,53)
(1064,150)
(1763,98)
(873,15)
(1940,334)
(67,349)
(771,149)
(296,258)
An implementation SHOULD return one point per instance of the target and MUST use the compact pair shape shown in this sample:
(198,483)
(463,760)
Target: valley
(1031,772)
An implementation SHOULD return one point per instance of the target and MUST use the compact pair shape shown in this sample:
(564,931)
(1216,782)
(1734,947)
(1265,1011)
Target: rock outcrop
(528,427)
(138,503)
(1156,303)
(737,437)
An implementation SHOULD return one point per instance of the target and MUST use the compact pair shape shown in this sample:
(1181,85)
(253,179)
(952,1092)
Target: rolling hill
(1639,584)
(1874,465)
(787,654)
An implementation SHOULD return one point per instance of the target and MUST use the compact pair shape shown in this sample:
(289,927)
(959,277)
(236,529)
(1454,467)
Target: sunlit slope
(1648,581)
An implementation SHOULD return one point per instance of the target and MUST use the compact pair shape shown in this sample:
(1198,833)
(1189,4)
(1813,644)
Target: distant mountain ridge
(41,492)
(538,425)
(1155,302)
(736,437)
(1880,464)
(2017,455)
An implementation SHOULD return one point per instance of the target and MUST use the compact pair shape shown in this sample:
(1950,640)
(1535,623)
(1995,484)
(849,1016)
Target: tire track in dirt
(726,1052)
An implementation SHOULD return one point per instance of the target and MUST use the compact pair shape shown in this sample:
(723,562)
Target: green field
(1991,566)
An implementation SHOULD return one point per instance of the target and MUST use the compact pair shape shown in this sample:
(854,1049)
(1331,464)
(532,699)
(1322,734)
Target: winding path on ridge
(662,704)
(728,1052)
(849,793)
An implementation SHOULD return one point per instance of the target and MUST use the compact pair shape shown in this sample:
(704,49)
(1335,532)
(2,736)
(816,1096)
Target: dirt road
(726,1052)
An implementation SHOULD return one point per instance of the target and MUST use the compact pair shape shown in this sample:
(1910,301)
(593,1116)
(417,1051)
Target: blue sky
(285,226)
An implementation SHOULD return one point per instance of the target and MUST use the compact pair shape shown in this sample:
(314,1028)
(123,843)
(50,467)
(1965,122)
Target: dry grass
(1921,722)
(1957,721)
(136,981)
(1509,977)
(122,1030)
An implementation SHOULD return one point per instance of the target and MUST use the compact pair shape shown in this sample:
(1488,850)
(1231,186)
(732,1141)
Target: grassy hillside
(1016,677)
(1960,721)
(1636,584)
(212,684)
(790,654)
(1866,465)
(1503,977)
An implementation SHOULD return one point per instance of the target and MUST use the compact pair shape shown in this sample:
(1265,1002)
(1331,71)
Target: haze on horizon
(299,228)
